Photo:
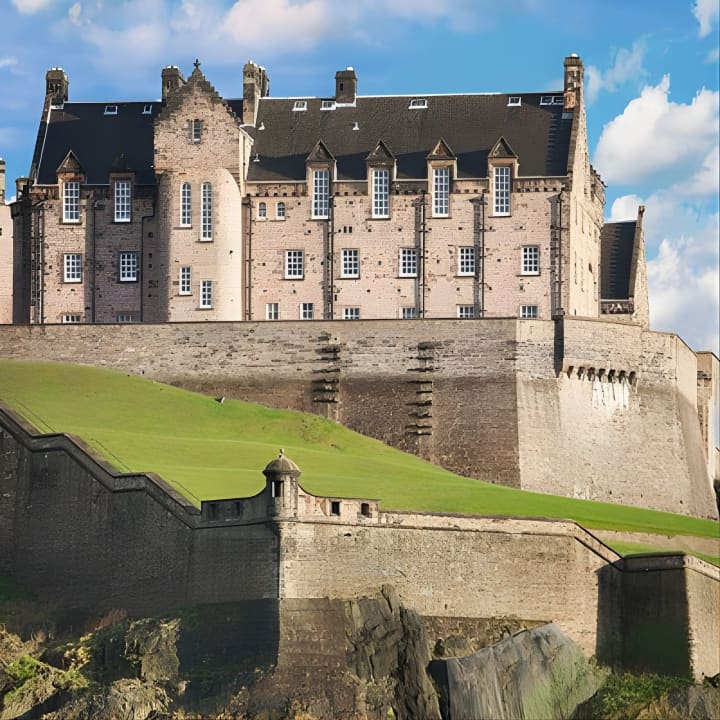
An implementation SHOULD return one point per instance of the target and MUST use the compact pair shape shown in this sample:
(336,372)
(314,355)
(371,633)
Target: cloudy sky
(651,87)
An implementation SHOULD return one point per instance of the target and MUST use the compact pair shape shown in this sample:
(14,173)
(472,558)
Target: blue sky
(651,88)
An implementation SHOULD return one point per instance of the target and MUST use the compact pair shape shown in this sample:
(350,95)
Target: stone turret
(573,82)
(256,85)
(282,483)
(172,79)
(57,87)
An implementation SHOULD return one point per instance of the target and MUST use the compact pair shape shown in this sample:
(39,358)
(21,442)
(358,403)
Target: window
(551,99)
(350,263)
(501,200)
(206,208)
(71,202)
(185,205)
(351,313)
(72,268)
(334,507)
(465,312)
(147,110)
(514,101)
(306,311)
(280,211)
(70,319)
(466,260)
(418,104)
(441,192)
(206,294)
(408,262)
(124,318)
(195,130)
(300,105)
(529,311)
(327,104)
(321,194)
(381,194)
(272,311)
(185,281)
(128,267)
(110,110)
(531,260)
(408,313)
(262,210)
(122,201)
(294,263)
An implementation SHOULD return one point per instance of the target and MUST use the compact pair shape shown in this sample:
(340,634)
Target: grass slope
(211,450)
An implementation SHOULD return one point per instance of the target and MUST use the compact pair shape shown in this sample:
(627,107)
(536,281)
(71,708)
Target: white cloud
(706,12)
(625,208)
(7,62)
(74,14)
(654,134)
(713,56)
(29,7)
(627,65)
(706,180)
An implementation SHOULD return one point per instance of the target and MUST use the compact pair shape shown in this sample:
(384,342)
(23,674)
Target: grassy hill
(211,450)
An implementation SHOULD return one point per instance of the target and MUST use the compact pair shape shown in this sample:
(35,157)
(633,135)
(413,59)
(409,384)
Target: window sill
(500,215)
(182,294)
(205,240)
(70,222)
(122,222)
(127,282)
(440,217)
(349,277)
(529,274)
(294,277)
(72,282)
(380,217)
(204,308)
(407,277)
(465,275)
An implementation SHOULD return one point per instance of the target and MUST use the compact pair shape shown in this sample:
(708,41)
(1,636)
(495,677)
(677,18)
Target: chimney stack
(171,80)
(345,86)
(56,87)
(256,85)
(573,79)
(2,181)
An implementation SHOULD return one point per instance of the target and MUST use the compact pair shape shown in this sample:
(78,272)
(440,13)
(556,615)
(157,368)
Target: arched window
(206,211)
(280,211)
(185,205)
(262,210)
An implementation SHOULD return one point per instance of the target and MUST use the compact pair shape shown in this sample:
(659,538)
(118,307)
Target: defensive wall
(577,407)
(87,538)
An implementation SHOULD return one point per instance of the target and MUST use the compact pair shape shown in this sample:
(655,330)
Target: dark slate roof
(616,253)
(469,124)
(98,140)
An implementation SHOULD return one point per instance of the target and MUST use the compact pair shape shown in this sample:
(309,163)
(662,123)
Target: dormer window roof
(111,110)
(327,105)
(418,104)
(514,100)
(300,105)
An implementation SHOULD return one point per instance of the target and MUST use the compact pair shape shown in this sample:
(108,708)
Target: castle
(346,207)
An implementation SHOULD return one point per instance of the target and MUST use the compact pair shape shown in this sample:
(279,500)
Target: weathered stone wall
(6,262)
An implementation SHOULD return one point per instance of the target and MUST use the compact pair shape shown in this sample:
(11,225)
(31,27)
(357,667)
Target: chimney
(171,80)
(573,79)
(345,86)
(256,85)
(56,87)
(2,181)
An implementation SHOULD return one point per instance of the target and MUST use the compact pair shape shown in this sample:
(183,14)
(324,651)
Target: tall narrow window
(466,260)
(71,202)
(531,260)
(72,268)
(185,281)
(321,194)
(196,130)
(206,294)
(262,210)
(280,211)
(122,200)
(186,205)
(128,267)
(307,311)
(272,311)
(408,262)
(206,210)
(294,264)
(350,263)
(381,193)
(441,192)
(501,199)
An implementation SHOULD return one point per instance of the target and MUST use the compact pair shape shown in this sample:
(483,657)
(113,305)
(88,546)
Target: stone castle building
(6,253)
(342,207)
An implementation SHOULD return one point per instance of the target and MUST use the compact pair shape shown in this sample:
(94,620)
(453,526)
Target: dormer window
(110,110)
(551,99)
(147,110)
(418,104)
(514,101)
(300,105)
(327,105)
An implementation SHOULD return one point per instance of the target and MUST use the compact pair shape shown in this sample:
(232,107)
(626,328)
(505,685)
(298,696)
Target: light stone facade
(6,254)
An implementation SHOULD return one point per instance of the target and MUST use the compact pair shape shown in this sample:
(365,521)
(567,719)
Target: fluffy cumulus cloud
(706,12)
(654,135)
(7,62)
(627,65)
(29,7)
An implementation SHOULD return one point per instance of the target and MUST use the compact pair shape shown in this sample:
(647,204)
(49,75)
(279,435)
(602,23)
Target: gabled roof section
(441,151)
(617,243)
(502,149)
(70,164)
(320,154)
(381,155)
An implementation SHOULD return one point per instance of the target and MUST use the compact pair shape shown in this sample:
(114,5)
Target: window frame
(71,201)
(465,312)
(347,262)
(272,311)
(122,195)
(128,266)
(280,210)
(196,131)
(185,281)
(408,313)
(530,260)
(529,312)
(294,264)
(262,210)
(71,319)
(72,267)
(406,253)
(351,313)
(186,205)
(124,318)
(441,192)
(320,194)
(466,260)
(206,212)
(380,193)
(307,311)
(205,297)
(502,187)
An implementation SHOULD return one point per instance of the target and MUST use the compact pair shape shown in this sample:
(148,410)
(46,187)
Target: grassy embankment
(212,450)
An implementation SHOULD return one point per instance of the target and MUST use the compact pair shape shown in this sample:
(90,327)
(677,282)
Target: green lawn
(212,450)
(631,548)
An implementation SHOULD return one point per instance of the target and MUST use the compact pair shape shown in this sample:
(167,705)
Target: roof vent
(261,126)
(356,125)
(300,105)
(418,104)
(110,110)
(327,104)
(147,110)
(514,101)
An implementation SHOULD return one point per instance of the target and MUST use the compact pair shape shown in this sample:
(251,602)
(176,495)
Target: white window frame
(294,264)
(465,312)
(206,294)
(381,193)
(408,262)
(185,280)
(128,264)
(123,201)
(529,312)
(196,130)
(350,263)
(280,210)
(441,191)
(272,311)
(418,104)
(530,260)
(501,190)
(206,212)
(321,194)
(307,311)
(300,105)
(71,319)
(262,211)
(351,313)
(514,100)
(72,267)
(124,318)
(327,104)
(466,260)
(408,313)
(71,202)
(186,205)
(111,110)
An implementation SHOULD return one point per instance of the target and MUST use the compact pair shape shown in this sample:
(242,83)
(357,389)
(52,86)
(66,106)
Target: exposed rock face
(538,673)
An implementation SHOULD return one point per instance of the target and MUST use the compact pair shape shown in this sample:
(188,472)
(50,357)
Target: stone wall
(6,261)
